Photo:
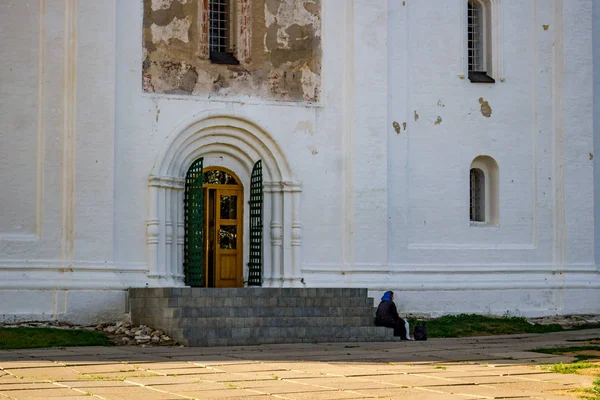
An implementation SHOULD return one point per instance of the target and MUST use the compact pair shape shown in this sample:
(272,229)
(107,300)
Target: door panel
(228,227)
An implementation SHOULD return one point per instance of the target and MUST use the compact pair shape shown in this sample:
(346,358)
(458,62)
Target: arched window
(479,40)
(477,194)
(484,191)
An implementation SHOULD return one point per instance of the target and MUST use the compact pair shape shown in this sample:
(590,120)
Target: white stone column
(296,236)
(267,273)
(152,227)
(168,235)
(276,235)
(180,207)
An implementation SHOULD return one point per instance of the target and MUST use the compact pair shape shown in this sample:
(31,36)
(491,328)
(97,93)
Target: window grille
(477,195)
(219,26)
(475,36)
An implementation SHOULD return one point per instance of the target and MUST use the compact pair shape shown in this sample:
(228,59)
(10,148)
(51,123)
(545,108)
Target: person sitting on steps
(387,315)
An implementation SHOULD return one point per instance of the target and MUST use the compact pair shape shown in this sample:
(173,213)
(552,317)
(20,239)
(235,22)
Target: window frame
(480,198)
(487,34)
(491,191)
(228,56)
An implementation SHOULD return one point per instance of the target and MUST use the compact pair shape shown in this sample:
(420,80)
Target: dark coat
(386,314)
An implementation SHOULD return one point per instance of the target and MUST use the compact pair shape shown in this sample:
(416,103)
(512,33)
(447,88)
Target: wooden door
(228,232)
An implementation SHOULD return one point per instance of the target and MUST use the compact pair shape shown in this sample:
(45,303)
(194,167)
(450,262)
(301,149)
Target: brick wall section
(244,38)
(203,24)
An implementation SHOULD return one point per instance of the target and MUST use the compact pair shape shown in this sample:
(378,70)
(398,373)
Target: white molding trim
(41,110)
(455,277)
(448,269)
(234,136)
(69,130)
(57,274)
(558,141)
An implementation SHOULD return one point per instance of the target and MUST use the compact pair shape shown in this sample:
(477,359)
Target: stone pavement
(496,367)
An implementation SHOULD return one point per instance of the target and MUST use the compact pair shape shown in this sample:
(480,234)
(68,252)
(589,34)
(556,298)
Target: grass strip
(465,325)
(30,338)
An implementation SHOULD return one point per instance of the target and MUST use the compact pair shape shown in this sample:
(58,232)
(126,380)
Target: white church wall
(596,127)
(383,205)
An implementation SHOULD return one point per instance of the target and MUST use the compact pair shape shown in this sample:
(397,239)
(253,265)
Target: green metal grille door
(193,264)
(256,226)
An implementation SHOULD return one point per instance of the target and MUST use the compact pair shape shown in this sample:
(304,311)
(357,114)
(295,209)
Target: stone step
(281,322)
(224,312)
(249,302)
(247,292)
(253,336)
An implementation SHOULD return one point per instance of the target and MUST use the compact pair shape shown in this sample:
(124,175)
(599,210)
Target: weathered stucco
(278,44)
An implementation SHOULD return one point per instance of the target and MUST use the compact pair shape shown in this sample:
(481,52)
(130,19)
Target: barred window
(475,19)
(477,195)
(219,26)
(479,31)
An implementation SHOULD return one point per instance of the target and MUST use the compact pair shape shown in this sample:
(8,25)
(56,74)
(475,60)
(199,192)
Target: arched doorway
(242,146)
(213,208)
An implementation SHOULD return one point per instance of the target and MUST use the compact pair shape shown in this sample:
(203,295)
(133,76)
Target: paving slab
(410,380)
(472,368)
(341,383)
(485,391)
(399,393)
(190,387)
(27,386)
(327,395)
(41,393)
(130,392)
(164,380)
(102,368)
(54,373)
(220,394)
(82,384)
(249,368)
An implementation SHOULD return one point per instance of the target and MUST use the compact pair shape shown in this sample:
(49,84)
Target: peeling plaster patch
(287,66)
(313,150)
(310,83)
(292,12)
(440,104)
(486,110)
(438,120)
(283,38)
(304,126)
(396,127)
(147,83)
(164,4)
(269,17)
(545,27)
(591,156)
(404,125)
(416,116)
(177,29)
(403,3)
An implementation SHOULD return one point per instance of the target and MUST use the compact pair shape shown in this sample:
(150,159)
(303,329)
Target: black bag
(420,332)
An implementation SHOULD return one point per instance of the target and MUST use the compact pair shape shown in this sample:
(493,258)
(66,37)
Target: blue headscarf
(387,295)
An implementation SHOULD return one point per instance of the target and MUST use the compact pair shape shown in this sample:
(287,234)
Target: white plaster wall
(540,133)
(18,130)
(379,209)
(596,111)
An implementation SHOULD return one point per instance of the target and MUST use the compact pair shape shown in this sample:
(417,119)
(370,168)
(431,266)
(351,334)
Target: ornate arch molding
(245,142)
